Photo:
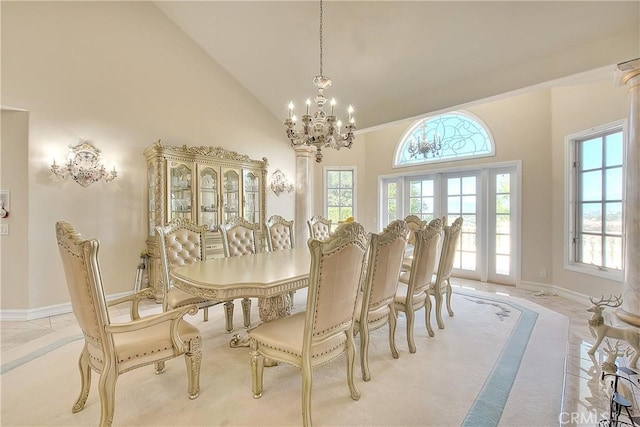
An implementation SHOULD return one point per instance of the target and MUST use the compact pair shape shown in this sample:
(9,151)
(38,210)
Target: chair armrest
(135,301)
(171,318)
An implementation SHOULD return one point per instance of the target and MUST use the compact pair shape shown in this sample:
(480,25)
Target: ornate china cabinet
(209,185)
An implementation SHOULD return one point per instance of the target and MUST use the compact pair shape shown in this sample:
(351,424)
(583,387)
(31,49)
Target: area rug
(499,361)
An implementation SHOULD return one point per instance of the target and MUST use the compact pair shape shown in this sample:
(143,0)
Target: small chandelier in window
(422,146)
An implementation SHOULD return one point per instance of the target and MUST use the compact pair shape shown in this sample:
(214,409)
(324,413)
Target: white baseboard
(25,314)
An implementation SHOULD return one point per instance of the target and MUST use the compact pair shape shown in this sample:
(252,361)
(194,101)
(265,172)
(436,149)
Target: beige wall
(529,127)
(123,75)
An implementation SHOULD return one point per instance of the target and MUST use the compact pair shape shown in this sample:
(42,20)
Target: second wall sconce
(84,165)
(280,183)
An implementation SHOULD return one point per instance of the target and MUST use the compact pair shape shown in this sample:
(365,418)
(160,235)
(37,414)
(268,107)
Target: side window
(339,191)
(596,187)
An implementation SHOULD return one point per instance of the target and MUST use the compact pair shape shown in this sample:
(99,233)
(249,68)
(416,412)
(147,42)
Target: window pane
(345,212)
(453,204)
(333,179)
(469,204)
(453,186)
(468,223)
(333,197)
(503,183)
(391,189)
(613,179)
(613,249)
(591,154)
(503,244)
(427,188)
(414,206)
(613,214)
(503,203)
(333,214)
(427,204)
(591,249)
(392,206)
(613,149)
(468,242)
(415,189)
(502,264)
(346,198)
(592,185)
(346,179)
(469,185)
(591,217)
(503,224)
(468,261)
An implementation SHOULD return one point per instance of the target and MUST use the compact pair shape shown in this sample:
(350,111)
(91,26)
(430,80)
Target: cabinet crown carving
(208,151)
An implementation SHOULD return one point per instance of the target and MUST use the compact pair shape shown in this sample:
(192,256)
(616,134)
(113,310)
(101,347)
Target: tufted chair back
(319,227)
(238,237)
(181,243)
(279,233)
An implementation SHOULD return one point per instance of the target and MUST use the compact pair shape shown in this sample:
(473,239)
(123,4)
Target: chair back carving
(334,278)
(181,242)
(80,262)
(449,245)
(279,233)
(319,227)
(424,257)
(385,260)
(239,237)
(413,223)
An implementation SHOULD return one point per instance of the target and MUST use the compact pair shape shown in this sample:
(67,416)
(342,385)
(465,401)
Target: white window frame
(325,201)
(570,198)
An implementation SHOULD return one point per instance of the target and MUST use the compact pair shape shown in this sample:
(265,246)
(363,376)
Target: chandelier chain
(321,38)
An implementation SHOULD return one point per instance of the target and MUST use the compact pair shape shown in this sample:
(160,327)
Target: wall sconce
(280,183)
(84,165)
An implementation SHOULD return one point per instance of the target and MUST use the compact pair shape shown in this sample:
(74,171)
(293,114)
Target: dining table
(269,276)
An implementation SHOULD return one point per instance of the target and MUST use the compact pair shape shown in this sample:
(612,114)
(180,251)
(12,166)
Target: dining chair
(411,294)
(182,242)
(112,349)
(324,331)
(375,308)
(319,227)
(280,233)
(239,238)
(414,222)
(441,284)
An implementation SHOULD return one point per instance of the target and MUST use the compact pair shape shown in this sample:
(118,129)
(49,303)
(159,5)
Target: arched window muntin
(463,136)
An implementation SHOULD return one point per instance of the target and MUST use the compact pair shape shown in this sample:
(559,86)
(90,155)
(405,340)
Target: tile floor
(585,401)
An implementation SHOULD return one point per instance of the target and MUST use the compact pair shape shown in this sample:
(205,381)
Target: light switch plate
(4,229)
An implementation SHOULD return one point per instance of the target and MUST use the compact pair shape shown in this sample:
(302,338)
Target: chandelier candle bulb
(308,105)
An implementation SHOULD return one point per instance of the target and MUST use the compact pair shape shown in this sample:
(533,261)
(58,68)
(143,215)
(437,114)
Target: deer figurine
(601,330)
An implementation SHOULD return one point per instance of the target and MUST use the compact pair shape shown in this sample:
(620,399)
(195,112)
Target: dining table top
(264,274)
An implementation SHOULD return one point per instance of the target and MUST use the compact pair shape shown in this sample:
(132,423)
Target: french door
(486,199)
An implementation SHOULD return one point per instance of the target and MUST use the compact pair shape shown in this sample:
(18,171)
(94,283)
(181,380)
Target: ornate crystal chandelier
(320,130)
(421,146)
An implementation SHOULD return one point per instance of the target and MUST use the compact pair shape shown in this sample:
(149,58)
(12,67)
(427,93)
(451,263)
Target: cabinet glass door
(151,190)
(179,191)
(208,194)
(231,195)
(251,199)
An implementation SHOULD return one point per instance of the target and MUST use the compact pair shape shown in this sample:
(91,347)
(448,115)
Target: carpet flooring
(499,361)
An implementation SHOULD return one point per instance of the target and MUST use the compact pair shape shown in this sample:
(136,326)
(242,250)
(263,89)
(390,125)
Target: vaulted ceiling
(395,60)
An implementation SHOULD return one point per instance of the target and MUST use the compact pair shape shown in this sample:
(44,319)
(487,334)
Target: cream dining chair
(112,349)
(182,242)
(239,238)
(441,283)
(413,223)
(411,294)
(375,308)
(279,233)
(319,227)
(325,330)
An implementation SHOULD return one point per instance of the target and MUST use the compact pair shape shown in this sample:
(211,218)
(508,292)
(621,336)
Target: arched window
(447,137)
